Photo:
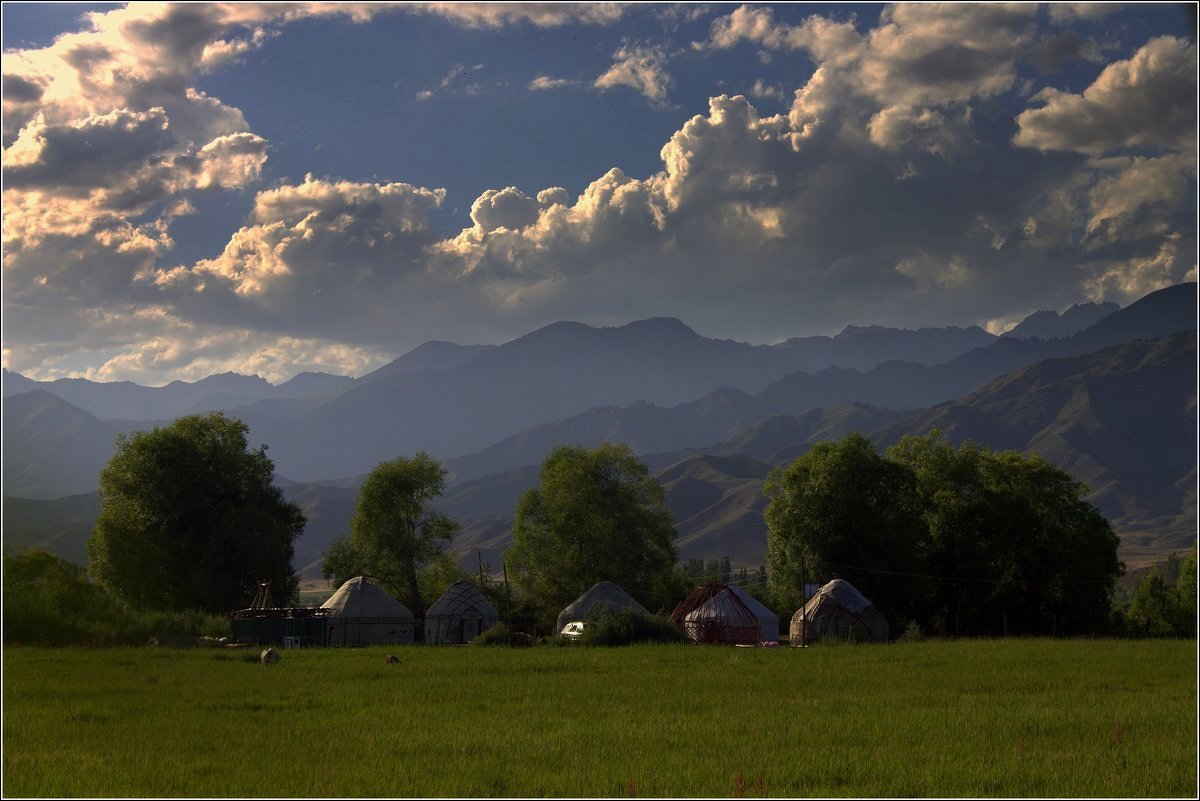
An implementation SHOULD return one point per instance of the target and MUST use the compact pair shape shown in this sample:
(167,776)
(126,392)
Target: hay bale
(269,657)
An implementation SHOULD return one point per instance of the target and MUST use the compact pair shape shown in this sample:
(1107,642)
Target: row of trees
(958,540)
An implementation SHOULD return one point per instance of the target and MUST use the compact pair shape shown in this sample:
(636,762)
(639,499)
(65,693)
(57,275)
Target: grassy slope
(1026,718)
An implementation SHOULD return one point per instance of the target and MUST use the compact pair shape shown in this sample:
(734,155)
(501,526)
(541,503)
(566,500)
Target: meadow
(932,718)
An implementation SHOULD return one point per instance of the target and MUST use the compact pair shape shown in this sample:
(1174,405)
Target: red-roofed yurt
(715,614)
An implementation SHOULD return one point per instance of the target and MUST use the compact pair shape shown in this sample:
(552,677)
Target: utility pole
(507,602)
(803,602)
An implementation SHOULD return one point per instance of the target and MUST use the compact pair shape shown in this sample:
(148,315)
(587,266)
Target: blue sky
(190,189)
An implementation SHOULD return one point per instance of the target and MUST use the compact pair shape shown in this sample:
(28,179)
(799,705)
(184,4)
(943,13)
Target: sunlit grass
(983,718)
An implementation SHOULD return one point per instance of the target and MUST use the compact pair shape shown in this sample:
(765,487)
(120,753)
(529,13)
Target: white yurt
(768,619)
(363,613)
(459,616)
(604,595)
(838,611)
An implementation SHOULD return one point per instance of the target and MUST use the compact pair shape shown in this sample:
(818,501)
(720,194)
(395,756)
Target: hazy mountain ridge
(1122,419)
(125,400)
(892,386)
(51,448)
(866,347)
(1105,416)
(471,408)
(1049,325)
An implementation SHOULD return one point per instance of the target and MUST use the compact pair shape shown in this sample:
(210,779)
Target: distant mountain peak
(1052,325)
(660,324)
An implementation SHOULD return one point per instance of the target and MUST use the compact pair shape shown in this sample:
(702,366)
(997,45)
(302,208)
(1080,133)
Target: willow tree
(596,515)
(395,531)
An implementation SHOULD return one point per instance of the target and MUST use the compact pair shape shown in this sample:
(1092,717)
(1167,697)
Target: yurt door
(470,630)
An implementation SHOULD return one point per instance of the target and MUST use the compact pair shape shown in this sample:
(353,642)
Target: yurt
(716,614)
(768,620)
(362,613)
(459,616)
(840,611)
(604,595)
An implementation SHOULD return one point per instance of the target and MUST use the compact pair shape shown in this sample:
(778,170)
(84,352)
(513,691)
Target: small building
(713,613)
(363,613)
(302,627)
(459,616)
(602,596)
(264,623)
(768,620)
(840,611)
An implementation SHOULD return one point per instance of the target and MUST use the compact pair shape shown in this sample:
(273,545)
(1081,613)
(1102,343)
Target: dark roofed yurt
(459,616)
(838,611)
(768,620)
(716,614)
(363,613)
(604,595)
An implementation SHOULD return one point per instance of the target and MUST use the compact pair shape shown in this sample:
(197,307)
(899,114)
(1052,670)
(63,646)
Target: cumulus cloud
(1147,100)
(542,15)
(312,240)
(908,80)
(878,197)
(1064,13)
(641,67)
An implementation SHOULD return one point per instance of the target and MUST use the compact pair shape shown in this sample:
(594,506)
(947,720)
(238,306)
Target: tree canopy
(962,540)
(596,515)
(190,519)
(395,531)
(843,510)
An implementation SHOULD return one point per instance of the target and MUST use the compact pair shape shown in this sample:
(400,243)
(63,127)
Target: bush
(628,627)
(49,601)
(912,633)
(496,635)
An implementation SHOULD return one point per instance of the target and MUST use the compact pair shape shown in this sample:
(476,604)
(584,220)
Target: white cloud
(641,67)
(544,83)
(877,198)
(542,15)
(1147,100)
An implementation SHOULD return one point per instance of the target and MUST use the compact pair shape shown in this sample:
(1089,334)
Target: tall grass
(982,718)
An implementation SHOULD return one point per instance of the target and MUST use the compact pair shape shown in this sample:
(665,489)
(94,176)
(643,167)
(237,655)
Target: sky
(274,188)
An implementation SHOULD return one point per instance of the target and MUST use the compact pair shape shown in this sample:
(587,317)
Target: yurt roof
(724,605)
(361,597)
(463,598)
(603,594)
(756,606)
(844,595)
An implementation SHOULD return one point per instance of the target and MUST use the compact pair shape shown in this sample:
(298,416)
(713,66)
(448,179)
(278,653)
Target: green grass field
(973,718)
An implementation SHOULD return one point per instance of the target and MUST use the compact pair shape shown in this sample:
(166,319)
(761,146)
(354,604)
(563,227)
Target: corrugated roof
(844,594)
(605,594)
(361,597)
(761,612)
(724,605)
(462,599)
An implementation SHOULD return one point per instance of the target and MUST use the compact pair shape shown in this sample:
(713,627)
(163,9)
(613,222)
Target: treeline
(952,541)
(49,601)
(945,541)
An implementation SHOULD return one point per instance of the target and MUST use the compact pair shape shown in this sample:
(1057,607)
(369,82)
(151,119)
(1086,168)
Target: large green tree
(842,510)
(959,540)
(190,519)
(1010,541)
(395,532)
(596,515)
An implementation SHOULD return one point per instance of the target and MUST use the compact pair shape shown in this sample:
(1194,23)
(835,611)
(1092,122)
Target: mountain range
(711,417)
